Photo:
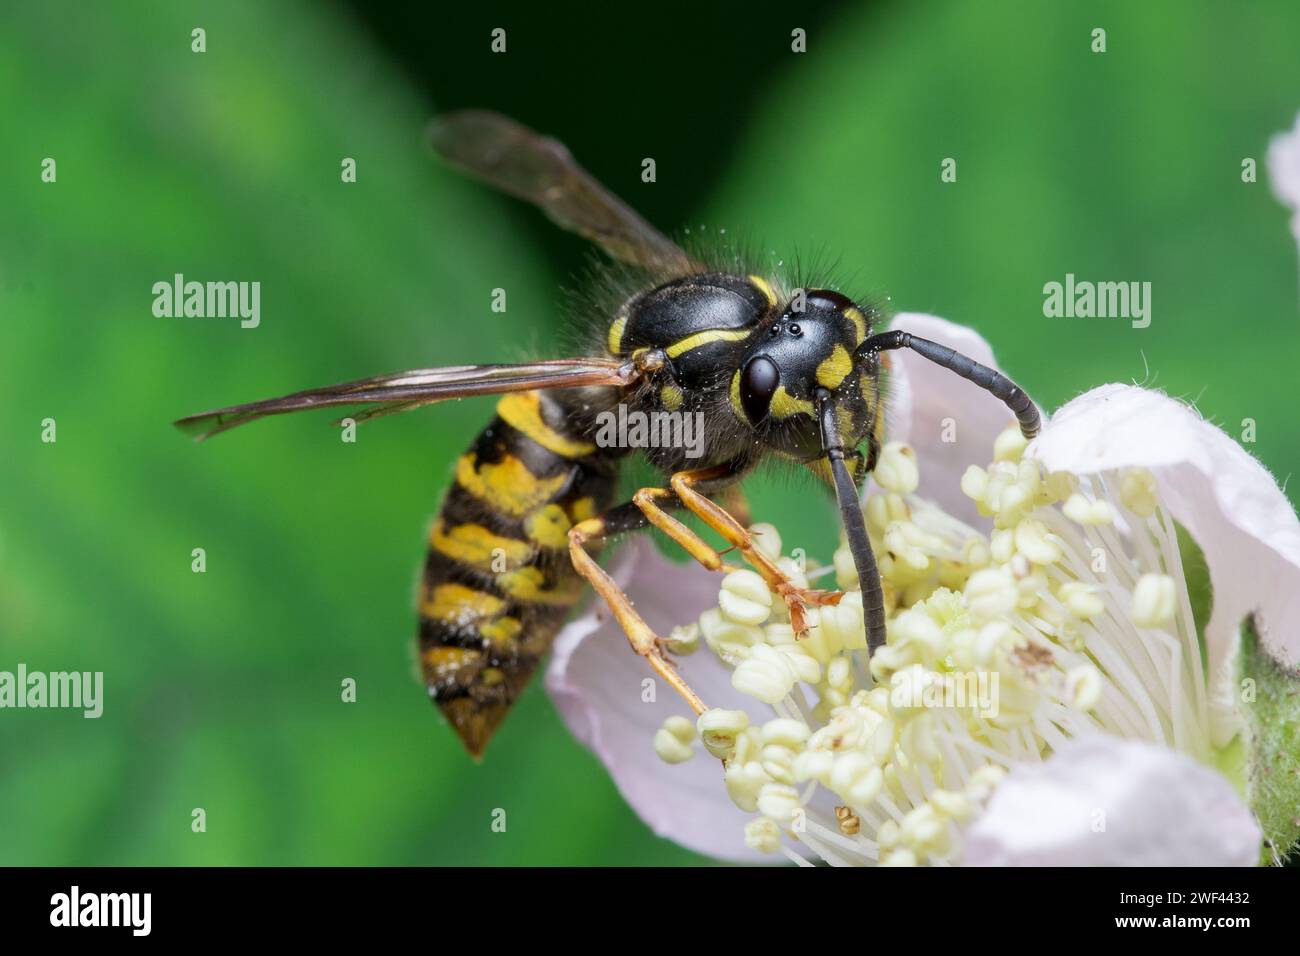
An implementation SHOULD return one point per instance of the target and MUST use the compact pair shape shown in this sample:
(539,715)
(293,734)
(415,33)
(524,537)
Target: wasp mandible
(772,371)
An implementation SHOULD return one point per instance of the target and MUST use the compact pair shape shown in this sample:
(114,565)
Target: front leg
(684,490)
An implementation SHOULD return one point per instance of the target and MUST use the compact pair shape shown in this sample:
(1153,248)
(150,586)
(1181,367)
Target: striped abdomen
(498,583)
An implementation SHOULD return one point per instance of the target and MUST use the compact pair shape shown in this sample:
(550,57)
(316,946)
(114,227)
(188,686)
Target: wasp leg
(653,503)
(649,500)
(639,634)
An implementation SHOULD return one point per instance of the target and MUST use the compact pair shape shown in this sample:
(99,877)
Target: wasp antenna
(994,382)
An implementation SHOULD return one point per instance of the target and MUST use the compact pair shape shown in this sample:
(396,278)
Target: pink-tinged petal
(928,404)
(1103,801)
(1284,171)
(1224,497)
(598,683)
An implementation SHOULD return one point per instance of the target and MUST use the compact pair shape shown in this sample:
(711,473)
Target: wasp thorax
(809,347)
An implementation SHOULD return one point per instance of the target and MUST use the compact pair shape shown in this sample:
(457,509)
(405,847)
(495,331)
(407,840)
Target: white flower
(1284,171)
(600,686)
(1101,801)
(1042,696)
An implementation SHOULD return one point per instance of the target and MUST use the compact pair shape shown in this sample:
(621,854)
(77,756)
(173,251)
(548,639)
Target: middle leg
(685,491)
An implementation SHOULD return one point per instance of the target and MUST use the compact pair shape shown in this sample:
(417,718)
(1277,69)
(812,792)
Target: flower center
(1071,617)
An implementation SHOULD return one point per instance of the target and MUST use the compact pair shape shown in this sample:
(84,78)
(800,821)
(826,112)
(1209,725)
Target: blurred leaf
(1118,166)
(223,688)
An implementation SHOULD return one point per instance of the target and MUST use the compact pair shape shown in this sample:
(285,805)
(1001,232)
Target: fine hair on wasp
(765,364)
(623,428)
(603,286)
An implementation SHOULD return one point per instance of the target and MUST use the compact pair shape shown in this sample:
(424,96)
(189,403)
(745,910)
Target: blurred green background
(222,689)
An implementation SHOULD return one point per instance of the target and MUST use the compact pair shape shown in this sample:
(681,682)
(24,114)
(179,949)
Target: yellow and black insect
(769,370)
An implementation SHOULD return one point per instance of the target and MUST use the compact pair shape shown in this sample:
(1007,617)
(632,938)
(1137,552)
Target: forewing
(403,391)
(519,161)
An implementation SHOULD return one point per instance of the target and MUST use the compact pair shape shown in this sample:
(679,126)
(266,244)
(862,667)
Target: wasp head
(807,351)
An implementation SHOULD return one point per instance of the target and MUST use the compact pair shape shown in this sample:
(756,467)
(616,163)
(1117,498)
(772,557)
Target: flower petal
(1284,171)
(928,404)
(1224,497)
(1102,801)
(597,682)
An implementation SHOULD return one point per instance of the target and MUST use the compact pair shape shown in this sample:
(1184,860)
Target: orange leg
(735,503)
(639,634)
(648,500)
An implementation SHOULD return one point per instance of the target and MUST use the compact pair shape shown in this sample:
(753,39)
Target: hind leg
(650,506)
(640,635)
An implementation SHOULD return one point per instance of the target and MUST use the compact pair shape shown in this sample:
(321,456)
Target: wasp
(772,371)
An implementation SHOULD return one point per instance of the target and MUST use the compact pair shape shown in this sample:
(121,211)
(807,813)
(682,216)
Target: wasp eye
(758,383)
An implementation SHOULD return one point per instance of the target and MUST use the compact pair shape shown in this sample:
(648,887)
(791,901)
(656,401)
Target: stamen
(1071,617)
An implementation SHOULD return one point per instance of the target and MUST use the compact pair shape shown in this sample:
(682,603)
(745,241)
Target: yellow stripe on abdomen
(476,546)
(523,411)
(507,485)
(529,585)
(460,605)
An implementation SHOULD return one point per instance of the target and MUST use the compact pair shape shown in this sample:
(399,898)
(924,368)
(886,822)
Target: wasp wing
(519,161)
(403,391)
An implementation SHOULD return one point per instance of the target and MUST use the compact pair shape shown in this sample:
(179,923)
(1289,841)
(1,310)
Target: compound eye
(758,383)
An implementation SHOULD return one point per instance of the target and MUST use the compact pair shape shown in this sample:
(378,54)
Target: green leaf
(1122,165)
(222,688)
(1263,762)
(1196,572)
(1270,696)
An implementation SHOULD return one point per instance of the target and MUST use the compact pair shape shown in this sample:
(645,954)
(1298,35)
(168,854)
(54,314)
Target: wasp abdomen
(497,582)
